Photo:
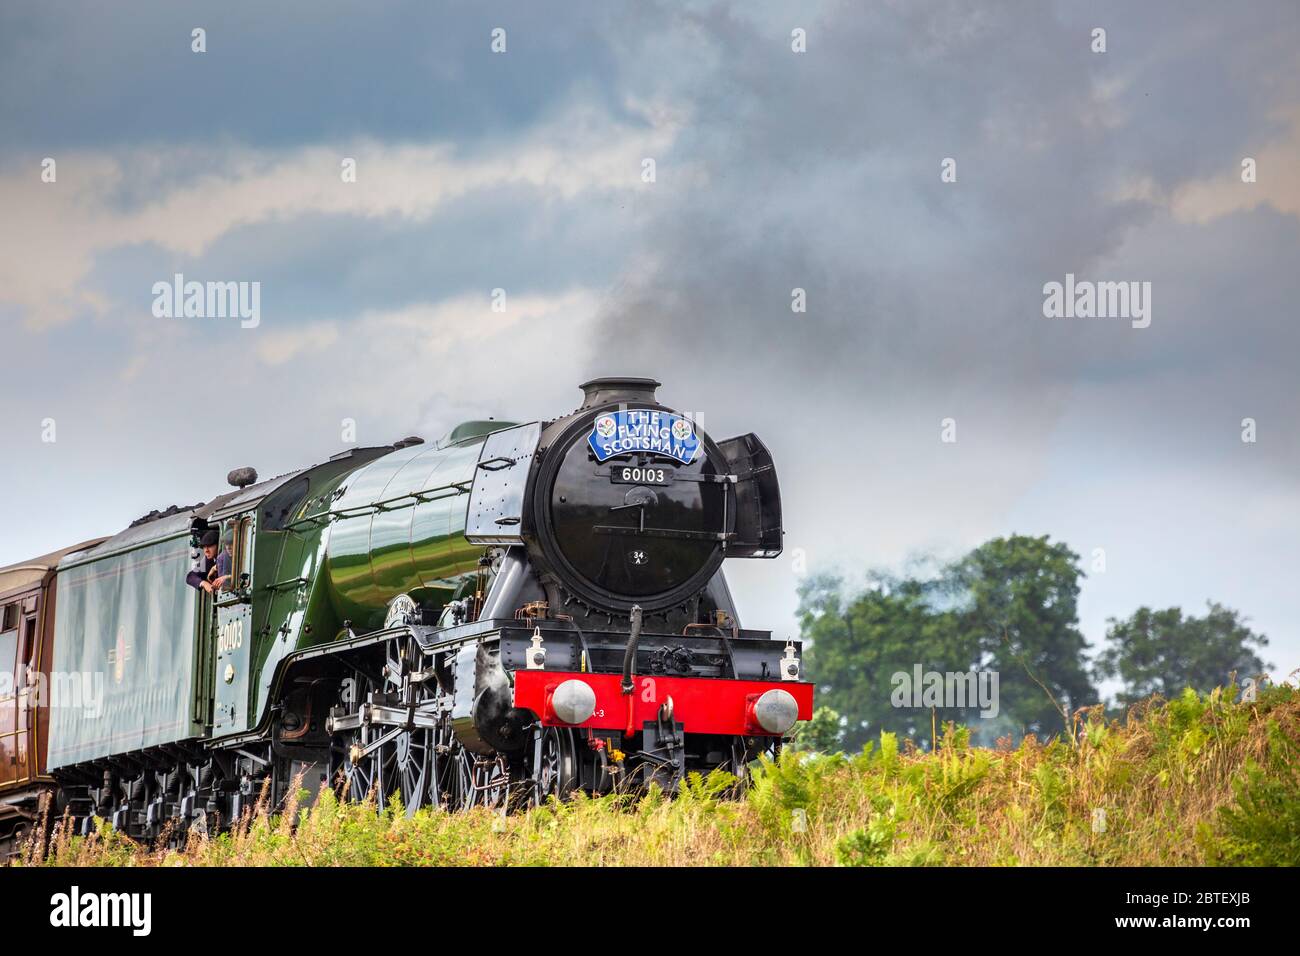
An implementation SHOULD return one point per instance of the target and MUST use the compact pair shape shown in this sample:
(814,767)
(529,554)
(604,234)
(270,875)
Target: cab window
(242,553)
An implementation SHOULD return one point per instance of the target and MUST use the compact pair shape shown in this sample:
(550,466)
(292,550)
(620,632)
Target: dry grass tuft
(1195,780)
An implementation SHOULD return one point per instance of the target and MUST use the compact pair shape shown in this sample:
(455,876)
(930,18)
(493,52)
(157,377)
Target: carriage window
(29,645)
(8,640)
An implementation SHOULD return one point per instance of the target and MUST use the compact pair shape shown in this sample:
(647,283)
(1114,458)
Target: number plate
(637,475)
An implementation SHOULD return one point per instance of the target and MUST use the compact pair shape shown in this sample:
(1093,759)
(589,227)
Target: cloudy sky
(774,170)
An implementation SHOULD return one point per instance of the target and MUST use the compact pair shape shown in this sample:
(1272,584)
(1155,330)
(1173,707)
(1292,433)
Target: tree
(1163,652)
(1009,606)
(859,645)
(822,734)
(1019,599)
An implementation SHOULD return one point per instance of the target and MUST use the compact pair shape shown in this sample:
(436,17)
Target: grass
(1195,780)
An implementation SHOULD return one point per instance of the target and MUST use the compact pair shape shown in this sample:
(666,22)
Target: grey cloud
(925,300)
(825,175)
(819,171)
(77,73)
(316,267)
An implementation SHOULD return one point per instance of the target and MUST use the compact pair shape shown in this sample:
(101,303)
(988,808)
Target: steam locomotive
(515,612)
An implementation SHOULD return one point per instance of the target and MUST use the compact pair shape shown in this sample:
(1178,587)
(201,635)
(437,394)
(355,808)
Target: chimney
(611,391)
